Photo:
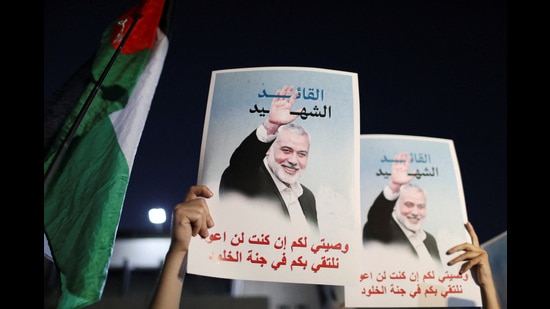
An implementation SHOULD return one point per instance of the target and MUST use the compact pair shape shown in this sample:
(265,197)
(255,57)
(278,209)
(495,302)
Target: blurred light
(157,215)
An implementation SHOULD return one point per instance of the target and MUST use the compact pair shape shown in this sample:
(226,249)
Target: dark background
(428,68)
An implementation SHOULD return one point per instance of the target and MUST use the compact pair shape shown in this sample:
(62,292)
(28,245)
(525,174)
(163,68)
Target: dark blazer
(248,175)
(381,226)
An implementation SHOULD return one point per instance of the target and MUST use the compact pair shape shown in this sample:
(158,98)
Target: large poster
(280,151)
(410,183)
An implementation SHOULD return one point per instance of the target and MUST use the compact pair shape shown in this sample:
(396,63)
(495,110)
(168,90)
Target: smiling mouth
(290,170)
(413,219)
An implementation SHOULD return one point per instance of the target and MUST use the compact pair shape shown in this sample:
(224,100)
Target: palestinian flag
(84,192)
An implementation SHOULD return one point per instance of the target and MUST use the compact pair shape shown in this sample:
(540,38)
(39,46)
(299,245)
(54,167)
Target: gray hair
(411,186)
(295,128)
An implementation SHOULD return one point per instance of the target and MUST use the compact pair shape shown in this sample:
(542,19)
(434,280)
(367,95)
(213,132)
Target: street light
(157,216)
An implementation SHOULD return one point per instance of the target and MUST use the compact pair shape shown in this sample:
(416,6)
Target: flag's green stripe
(83,211)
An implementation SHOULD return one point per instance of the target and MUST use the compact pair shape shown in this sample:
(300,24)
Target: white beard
(279,171)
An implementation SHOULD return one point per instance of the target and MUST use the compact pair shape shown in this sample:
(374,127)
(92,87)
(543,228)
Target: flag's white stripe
(130,121)
(47,250)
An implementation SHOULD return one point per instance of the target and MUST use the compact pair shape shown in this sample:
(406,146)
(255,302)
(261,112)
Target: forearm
(489,296)
(169,287)
(251,151)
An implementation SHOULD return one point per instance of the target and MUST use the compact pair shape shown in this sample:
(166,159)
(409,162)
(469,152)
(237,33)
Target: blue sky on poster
(236,93)
(445,206)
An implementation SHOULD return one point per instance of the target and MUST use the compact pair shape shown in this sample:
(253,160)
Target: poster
(318,240)
(391,275)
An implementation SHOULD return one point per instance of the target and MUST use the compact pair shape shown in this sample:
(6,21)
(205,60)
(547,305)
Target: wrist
(176,251)
(389,194)
(394,187)
(270,128)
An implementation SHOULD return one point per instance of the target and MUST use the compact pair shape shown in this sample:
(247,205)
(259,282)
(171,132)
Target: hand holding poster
(412,212)
(280,151)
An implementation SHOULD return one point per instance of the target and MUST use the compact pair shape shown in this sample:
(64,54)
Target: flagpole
(67,141)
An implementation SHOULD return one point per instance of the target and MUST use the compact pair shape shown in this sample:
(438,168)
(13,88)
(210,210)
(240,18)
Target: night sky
(428,68)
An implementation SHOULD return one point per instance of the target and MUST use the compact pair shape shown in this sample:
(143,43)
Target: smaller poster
(412,211)
(280,152)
